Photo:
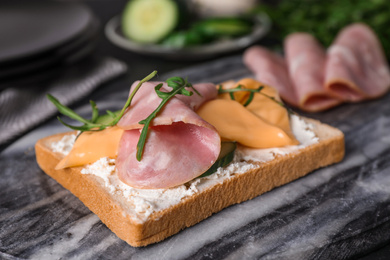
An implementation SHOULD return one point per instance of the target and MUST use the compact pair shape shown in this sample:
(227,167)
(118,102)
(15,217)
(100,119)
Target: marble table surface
(337,212)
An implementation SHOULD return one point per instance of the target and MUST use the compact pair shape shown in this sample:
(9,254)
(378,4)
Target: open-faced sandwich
(177,153)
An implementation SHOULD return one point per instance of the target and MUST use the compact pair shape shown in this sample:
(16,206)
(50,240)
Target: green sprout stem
(251,95)
(93,125)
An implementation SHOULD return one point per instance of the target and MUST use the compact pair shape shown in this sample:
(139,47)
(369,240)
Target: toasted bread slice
(115,210)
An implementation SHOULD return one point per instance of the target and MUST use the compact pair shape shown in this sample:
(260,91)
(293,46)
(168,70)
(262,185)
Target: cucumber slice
(184,39)
(225,157)
(224,27)
(149,21)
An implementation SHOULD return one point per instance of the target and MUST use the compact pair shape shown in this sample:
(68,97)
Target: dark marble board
(337,212)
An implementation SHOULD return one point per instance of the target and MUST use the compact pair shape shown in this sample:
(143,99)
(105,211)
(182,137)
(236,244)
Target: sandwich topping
(147,201)
(170,133)
(91,146)
(263,123)
(180,146)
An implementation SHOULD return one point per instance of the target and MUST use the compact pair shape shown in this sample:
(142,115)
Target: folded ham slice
(353,69)
(271,69)
(305,59)
(180,145)
(180,108)
(356,68)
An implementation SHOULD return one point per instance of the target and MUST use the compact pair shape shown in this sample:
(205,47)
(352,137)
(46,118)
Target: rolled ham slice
(173,155)
(305,59)
(271,69)
(356,68)
(180,108)
(180,145)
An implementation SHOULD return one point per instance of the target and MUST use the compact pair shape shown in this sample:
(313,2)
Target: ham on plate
(180,145)
(356,67)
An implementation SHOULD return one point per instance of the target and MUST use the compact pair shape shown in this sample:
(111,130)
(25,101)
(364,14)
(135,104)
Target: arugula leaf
(97,122)
(66,111)
(241,88)
(251,95)
(95,111)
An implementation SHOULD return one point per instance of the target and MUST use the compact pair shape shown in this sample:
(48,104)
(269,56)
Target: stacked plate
(39,38)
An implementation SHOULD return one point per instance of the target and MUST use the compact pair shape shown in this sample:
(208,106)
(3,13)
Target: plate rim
(199,52)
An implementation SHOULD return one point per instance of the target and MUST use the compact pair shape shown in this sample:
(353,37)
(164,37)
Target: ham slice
(356,68)
(180,145)
(271,69)
(173,155)
(306,61)
(353,69)
(177,109)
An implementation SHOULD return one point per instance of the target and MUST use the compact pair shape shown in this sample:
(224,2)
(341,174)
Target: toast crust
(111,208)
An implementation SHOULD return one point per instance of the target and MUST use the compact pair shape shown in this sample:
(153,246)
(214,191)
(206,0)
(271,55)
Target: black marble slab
(338,212)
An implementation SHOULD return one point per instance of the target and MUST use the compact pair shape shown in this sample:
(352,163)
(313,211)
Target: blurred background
(77,29)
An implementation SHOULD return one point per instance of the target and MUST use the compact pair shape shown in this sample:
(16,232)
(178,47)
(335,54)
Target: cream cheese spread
(64,145)
(147,201)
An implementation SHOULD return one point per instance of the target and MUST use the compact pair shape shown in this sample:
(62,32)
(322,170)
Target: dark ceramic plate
(66,54)
(29,28)
(114,34)
(36,77)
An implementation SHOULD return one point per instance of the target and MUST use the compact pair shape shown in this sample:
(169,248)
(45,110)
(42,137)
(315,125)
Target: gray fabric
(23,108)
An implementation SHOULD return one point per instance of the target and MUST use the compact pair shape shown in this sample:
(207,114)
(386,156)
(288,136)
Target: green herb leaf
(250,98)
(111,114)
(238,89)
(79,128)
(128,102)
(97,122)
(251,95)
(95,111)
(66,111)
(178,86)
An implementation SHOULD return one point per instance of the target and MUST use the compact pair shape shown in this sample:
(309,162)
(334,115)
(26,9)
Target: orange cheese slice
(262,124)
(235,123)
(91,146)
(262,105)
